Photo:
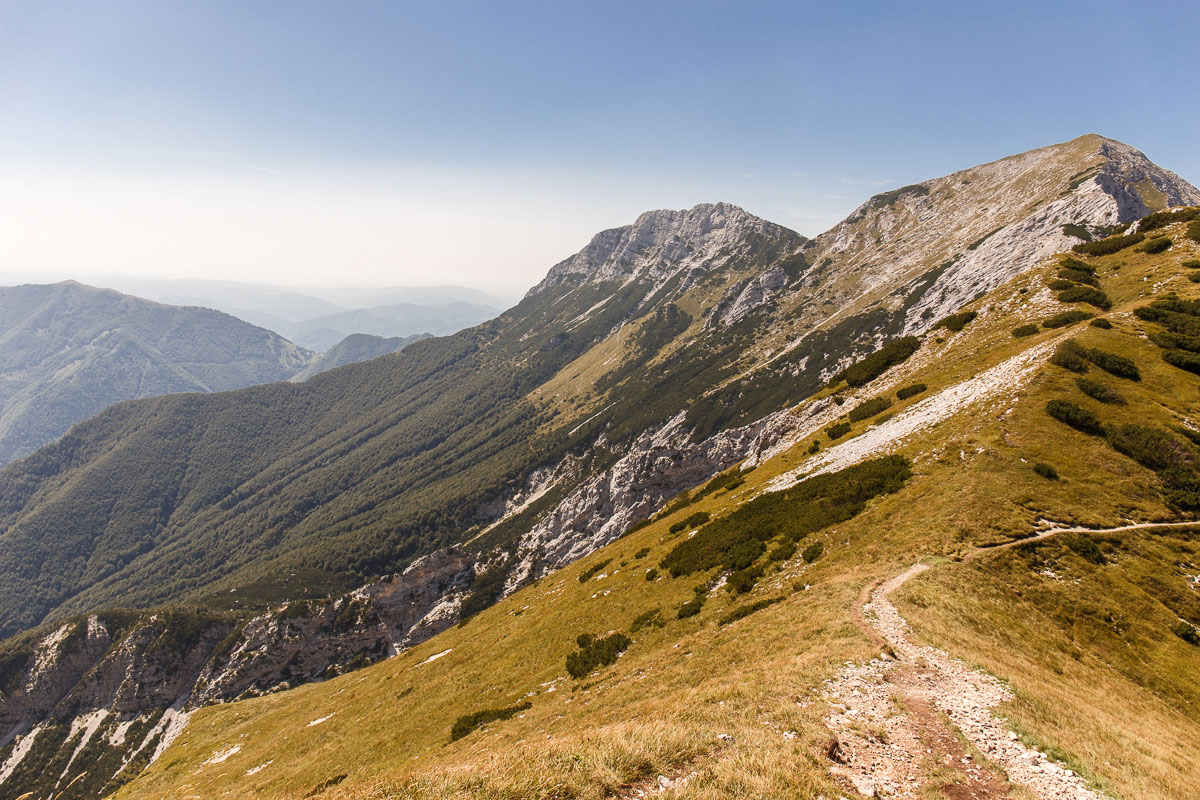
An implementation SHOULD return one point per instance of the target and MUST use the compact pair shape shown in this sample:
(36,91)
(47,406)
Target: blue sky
(393,142)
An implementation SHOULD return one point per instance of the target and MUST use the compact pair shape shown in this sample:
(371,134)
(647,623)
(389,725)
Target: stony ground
(916,715)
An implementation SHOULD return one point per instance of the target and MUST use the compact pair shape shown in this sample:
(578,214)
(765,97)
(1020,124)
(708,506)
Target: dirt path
(916,719)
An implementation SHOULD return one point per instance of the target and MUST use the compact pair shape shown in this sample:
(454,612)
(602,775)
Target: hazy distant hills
(315,318)
(356,347)
(68,351)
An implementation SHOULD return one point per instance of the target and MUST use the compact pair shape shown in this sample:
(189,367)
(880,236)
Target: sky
(380,143)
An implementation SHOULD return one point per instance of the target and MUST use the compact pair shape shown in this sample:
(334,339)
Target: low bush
(743,580)
(651,575)
(1065,318)
(809,506)
(869,408)
(1046,471)
(1102,323)
(783,552)
(1077,276)
(596,653)
(1113,364)
(1193,231)
(1192,263)
(1077,231)
(1070,355)
(745,611)
(1099,391)
(1106,247)
(469,722)
(1059,285)
(871,367)
(647,619)
(1076,416)
(1077,265)
(1161,219)
(837,430)
(956,322)
(1186,631)
(1182,359)
(1085,547)
(1158,245)
(1152,447)
(815,447)
(645,551)
(913,390)
(1085,294)
(587,574)
(691,521)
(812,552)
(691,608)
(1024,330)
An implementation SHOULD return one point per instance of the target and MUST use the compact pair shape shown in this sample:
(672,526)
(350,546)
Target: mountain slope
(1094,635)
(668,351)
(356,347)
(67,351)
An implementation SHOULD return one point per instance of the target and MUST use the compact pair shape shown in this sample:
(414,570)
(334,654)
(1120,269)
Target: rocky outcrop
(104,694)
(662,243)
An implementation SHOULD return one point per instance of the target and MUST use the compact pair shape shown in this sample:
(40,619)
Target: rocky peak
(660,243)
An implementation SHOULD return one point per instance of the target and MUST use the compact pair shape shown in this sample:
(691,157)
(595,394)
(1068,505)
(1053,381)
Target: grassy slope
(1119,703)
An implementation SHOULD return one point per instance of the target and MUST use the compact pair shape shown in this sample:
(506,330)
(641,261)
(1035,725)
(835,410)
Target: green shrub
(910,391)
(596,653)
(837,430)
(1024,330)
(1085,294)
(1194,277)
(1193,231)
(691,608)
(1101,323)
(651,618)
(587,574)
(1046,471)
(1059,285)
(1183,360)
(1161,219)
(747,610)
(1077,276)
(1106,247)
(869,408)
(871,367)
(1084,547)
(1070,355)
(1099,391)
(809,506)
(812,552)
(469,722)
(645,551)
(1076,416)
(815,447)
(783,552)
(1187,632)
(743,580)
(691,521)
(1077,265)
(1065,318)
(1077,231)
(651,575)
(1158,245)
(1192,263)
(956,322)
(1113,364)
(1153,448)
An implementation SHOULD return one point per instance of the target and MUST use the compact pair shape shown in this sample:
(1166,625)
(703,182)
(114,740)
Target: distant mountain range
(316,318)
(68,351)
